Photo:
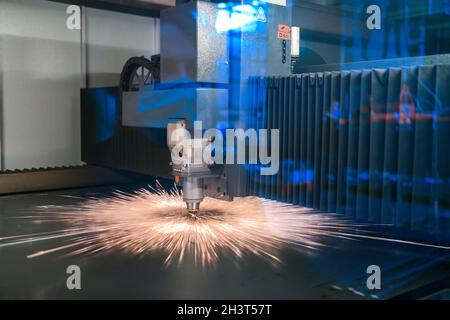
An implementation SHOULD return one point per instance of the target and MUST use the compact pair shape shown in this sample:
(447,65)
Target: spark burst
(154,220)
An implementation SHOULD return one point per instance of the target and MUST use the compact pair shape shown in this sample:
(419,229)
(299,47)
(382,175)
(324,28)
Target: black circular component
(139,72)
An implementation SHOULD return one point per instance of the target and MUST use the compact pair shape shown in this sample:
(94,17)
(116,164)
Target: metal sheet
(115,275)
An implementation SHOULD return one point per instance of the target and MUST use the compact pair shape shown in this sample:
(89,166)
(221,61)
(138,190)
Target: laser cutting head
(189,163)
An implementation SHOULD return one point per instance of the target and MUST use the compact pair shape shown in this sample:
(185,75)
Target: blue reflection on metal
(435,181)
(335,112)
(390,176)
(302,176)
(364,176)
(107,113)
(235,17)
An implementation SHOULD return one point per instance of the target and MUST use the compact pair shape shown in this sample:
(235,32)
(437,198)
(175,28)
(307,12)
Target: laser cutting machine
(208,53)
(363,123)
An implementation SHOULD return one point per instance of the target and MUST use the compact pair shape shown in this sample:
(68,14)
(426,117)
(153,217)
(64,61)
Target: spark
(154,220)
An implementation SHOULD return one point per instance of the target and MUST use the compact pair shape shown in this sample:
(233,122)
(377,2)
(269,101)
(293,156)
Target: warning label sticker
(261,15)
(284,32)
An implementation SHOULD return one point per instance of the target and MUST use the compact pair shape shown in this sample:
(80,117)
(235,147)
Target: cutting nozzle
(193,193)
(193,207)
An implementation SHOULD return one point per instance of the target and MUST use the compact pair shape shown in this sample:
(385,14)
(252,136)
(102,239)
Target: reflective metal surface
(336,272)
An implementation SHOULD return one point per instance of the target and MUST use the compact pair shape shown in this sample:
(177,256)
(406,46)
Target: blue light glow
(235,17)
(302,176)
(106,106)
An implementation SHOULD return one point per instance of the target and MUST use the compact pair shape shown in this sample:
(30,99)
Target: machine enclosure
(191,48)
(156,108)
(204,76)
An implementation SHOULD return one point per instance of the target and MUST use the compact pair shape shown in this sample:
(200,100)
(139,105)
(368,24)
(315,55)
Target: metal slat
(390,176)
(275,125)
(310,130)
(260,92)
(280,185)
(318,119)
(285,141)
(363,174)
(263,96)
(303,139)
(377,129)
(406,134)
(353,136)
(343,119)
(325,142)
(443,148)
(297,138)
(423,206)
(267,125)
(253,96)
(291,139)
(334,141)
